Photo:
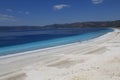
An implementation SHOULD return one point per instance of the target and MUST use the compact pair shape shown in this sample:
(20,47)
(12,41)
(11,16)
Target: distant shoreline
(90,24)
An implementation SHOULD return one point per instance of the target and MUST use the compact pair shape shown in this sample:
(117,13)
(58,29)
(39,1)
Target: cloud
(22,12)
(27,13)
(4,17)
(97,1)
(60,6)
(9,10)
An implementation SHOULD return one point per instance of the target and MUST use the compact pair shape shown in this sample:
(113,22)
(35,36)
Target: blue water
(13,42)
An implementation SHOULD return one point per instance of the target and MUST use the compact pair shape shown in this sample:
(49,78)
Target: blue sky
(44,12)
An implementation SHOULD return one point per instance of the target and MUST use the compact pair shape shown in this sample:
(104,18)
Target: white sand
(96,59)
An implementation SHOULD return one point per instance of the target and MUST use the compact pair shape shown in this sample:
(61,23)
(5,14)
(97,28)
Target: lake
(12,42)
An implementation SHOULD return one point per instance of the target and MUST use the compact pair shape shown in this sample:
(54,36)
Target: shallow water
(19,41)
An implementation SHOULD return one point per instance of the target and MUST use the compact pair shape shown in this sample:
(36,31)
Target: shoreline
(24,61)
(43,49)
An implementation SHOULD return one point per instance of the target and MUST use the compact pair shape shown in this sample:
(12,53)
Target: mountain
(98,24)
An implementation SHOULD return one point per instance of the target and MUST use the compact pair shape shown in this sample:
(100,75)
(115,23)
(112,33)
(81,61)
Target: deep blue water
(12,42)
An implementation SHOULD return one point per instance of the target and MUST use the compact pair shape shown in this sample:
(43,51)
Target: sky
(46,12)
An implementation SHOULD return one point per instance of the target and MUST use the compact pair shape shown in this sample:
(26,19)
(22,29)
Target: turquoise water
(52,42)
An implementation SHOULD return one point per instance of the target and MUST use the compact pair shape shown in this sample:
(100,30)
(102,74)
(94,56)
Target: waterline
(50,43)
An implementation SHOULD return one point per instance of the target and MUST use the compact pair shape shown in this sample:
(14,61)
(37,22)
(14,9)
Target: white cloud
(9,10)
(22,12)
(60,6)
(4,17)
(27,13)
(97,1)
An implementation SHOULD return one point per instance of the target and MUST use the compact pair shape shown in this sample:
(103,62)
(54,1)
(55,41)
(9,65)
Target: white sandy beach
(96,59)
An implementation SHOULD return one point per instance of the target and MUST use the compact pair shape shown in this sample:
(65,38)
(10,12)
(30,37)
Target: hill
(99,24)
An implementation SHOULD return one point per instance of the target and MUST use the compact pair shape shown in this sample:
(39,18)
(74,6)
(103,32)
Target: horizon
(61,23)
(48,12)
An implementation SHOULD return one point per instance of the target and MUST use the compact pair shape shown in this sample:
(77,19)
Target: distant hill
(100,24)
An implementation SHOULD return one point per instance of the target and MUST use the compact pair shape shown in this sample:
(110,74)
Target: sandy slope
(97,59)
